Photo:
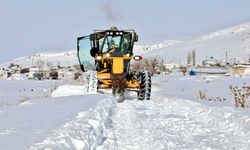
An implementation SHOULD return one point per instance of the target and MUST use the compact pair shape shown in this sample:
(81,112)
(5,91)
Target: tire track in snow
(174,123)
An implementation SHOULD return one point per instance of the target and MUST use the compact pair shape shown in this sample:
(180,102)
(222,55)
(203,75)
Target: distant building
(171,66)
(211,62)
(14,68)
(53,74)
(3,73)
(35,73)
(67,73)
(24,70)
(234,61)
(240,69)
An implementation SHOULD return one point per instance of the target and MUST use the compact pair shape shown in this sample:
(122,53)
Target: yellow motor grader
(105,56)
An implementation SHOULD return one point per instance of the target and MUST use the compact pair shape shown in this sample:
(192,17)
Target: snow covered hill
(64,58)
(67,58)
(142,49)
(234,40)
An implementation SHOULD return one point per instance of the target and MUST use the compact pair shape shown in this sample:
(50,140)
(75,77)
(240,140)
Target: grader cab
(105,55)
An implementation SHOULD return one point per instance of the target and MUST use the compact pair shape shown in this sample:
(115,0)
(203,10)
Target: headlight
(108,55)
(98,58)
(137,58)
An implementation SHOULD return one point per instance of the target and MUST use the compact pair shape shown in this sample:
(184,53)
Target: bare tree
(241,95)
(11,65)
(49,64)
(183,69)
(146,64)
(154,63)
(136,66)
(189,58)
(194,57)
(40,64)
(162,67)
(151,64)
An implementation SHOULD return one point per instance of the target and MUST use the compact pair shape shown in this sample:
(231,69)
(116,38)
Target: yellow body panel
(117,68)
(118,65)
(103,76)
(107,83)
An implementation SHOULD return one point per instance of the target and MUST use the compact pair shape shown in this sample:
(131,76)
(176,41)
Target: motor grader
(105,56)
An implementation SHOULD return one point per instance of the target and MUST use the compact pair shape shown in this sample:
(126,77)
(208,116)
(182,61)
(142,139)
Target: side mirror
(93,51)
(137,58)
(136,38)
(92,37)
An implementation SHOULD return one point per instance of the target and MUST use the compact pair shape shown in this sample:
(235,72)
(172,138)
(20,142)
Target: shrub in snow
(206,80)
(241,95)
(183,69)
(202,95)
(23,99)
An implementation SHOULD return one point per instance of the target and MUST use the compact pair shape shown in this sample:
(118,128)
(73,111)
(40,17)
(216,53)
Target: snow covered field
(16,92)
(63,116)
(188,87)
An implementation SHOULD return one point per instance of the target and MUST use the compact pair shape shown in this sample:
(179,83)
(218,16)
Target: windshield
(122,43)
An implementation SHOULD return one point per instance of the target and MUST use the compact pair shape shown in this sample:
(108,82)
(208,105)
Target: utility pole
(194,57)
(226,59)
(32,60)
(162,65)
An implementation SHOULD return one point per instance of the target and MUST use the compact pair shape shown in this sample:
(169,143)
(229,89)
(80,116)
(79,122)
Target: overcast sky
(30,26)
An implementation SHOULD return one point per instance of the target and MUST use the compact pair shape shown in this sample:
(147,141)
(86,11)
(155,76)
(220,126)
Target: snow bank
(71,90)
(85,132)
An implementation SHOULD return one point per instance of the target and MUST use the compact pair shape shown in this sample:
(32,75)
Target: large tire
(145,86)
(92,81)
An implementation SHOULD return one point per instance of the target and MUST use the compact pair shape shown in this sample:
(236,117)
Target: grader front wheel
(145,86)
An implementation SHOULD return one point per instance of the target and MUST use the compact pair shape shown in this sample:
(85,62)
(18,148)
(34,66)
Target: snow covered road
(174,123)
(74,119)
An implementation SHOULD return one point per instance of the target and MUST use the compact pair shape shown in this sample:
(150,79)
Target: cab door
(84,45)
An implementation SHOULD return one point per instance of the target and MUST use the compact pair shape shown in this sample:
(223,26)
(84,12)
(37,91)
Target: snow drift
(85,132)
